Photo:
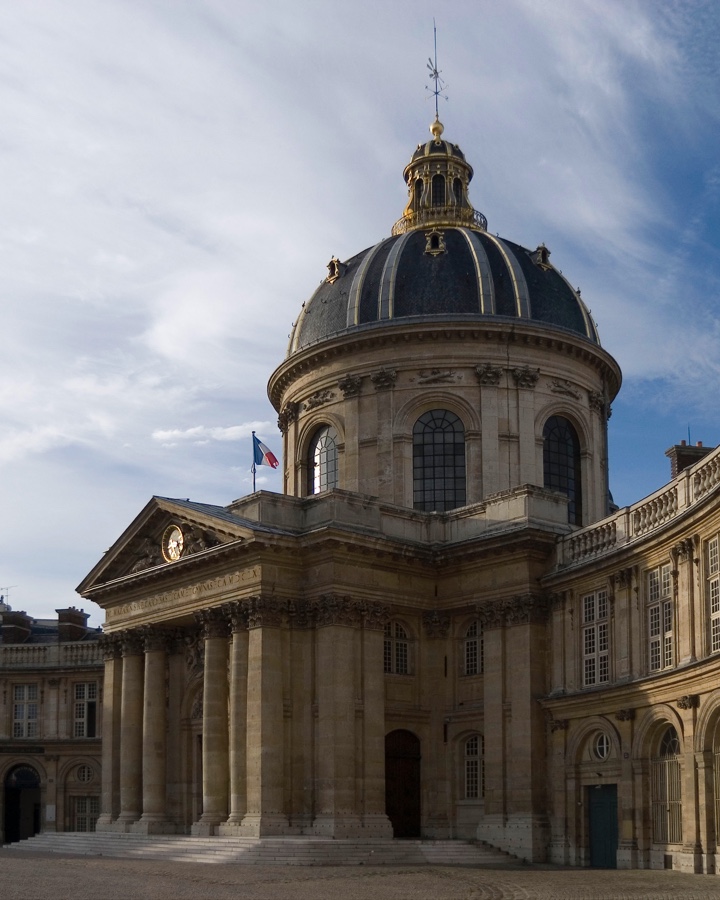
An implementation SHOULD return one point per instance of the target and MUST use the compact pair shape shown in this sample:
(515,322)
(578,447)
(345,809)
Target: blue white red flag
(263,455)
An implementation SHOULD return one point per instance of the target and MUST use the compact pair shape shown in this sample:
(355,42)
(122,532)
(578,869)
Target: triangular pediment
(150,541)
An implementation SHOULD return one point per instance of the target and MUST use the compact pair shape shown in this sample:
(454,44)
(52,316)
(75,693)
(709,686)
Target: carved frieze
(488,374)
(525,377)
(332,609)
(350,385)
(689,701)
(518,610)
(148,555)
(194,651)
(625,715)
(564,387)
(319,398)
(384,379)
(436,625)
(438,376)
(288,415)
(197,539)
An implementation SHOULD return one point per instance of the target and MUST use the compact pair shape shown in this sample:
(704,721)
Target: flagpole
(252,467)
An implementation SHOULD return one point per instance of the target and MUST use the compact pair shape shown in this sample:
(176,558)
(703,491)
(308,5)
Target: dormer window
(541,257)
(335,270)
(434,242)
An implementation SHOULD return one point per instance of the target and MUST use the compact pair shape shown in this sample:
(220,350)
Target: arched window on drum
(323,461)
(439,481)
(561,464)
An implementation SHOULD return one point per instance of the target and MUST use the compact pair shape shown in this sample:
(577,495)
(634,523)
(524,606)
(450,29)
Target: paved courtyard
(51,877)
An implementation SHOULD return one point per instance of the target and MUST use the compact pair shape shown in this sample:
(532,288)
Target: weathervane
(440,86)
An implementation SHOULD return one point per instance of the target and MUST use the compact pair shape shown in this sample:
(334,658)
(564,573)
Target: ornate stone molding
(384,379)
(564,387)
(689,701)
(525,377)
(237,615)
(436,625)
(684,549)
(288,414)
(334,610)
(197,539)
(194,651)
(265,612)
(488,374)
(375,615)
(557,725)
(622,578)
(213,622)
(149,555)
(300,614)
(596,401)
(350,385)
(319,398)
(131,642)
(197,708)
(156,638)
(438,376)
(110,646)
(521,609)
(625,715)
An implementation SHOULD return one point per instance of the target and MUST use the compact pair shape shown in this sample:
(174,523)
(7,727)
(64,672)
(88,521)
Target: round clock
(173,543)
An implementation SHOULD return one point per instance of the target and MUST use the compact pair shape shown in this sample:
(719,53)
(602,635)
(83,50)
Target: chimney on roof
(72,624)
(15,626)
(682,456)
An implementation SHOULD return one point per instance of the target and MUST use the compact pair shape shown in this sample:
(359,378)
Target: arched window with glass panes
(561,464)
(667,790)
(439,481)
(474,767)
(323,461)
(396,650)
(473,650)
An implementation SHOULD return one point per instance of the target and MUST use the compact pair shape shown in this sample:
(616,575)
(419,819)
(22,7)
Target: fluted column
(154,751)
(112,700)
(215,722)
(131,730)
(238,717)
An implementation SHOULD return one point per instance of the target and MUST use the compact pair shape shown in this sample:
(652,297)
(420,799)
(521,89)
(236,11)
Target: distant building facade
(51,681)
(442,627)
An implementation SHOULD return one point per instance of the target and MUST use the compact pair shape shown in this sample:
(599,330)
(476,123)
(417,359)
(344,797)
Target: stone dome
(440,264)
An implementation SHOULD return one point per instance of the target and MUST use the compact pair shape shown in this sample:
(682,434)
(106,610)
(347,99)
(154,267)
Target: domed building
(441,628)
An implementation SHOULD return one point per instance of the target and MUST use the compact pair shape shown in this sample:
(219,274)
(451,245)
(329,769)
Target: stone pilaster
(112,703)
(375,820)
(215,760)
(237,752)
(131,723)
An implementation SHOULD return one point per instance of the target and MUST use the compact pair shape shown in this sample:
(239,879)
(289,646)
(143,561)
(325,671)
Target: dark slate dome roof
(476,277)
(440,265)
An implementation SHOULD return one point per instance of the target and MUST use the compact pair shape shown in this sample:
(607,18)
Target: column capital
(332,609)
(110,645)
(213,622)
(237,615)
(265,611)
(155,638)
(131,642)
(436,625)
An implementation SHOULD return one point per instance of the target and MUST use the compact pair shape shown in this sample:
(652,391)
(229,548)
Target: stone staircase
(280,851)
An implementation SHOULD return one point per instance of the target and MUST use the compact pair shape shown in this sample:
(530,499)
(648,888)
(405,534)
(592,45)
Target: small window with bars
(661,646)
(596,638)
(25,710)
(397,650)
(473,650)
(713,592)
(475,767)
(85,716)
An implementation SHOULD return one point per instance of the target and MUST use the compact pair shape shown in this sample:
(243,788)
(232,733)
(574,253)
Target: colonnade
(292,712)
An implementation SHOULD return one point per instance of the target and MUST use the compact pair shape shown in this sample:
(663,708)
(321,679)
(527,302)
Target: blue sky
(176,176)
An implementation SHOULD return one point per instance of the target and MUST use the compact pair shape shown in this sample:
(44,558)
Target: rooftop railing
(440,215)
(45,656)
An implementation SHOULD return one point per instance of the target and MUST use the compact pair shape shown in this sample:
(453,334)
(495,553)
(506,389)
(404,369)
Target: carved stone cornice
(334,610)
(384,379)
(350,385)
(237,615)
(525,377)
(625,715)
(488,374)
(436,625)
(287,415)
(689,701)
(110,646)
(564,387)
(265,612)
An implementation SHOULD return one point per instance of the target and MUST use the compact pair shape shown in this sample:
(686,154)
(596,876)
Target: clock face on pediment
(173,543)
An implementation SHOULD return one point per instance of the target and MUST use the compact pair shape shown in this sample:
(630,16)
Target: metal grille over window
(596,638)
(667,791)
(660,619)
(85,710)
(561,464)
(474,657)
(438,461)
(713,562)
(25,711)
(323,461)
(396,661)
(475,767)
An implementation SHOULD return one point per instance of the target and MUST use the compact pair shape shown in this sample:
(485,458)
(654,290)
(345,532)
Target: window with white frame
(85,715)
(473,650)
(397,647)
(25,710)
(475,767)
(596,638)
(660,619)
(713,592)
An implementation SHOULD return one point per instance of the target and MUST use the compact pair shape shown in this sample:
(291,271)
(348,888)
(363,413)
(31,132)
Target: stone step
(267,851)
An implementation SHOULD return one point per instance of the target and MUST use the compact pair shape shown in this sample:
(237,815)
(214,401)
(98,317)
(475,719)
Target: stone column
(337,814)
(237,614)
(131,731)
(375,820)
(265,722)
(154,756)
(215,760)
(112,700)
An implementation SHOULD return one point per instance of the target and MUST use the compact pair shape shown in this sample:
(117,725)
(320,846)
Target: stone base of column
(151,825)
(103,820)
(260,825)
(438,828)
(341,827)
(377,826)
(206,826)
(121,825)
(627,855)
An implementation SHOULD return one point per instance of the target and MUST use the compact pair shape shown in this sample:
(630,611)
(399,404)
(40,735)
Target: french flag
(263,455)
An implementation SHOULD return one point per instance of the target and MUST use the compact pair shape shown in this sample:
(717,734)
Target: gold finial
(436,129)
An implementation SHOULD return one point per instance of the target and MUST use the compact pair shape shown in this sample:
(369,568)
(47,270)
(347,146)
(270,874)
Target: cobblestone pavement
(51,877)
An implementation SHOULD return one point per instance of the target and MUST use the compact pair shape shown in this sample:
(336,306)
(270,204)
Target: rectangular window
(713,593)
(85,710)
(596,638)
(87,810)
(660,619)
(25,711)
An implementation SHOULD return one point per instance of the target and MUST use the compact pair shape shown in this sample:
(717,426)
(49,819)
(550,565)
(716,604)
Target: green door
(602,805)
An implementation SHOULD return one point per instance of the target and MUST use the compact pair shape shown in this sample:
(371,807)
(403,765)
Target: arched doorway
(22,804)
(402,783)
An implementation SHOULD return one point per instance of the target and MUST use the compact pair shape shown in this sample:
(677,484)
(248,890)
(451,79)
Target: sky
(174,177)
